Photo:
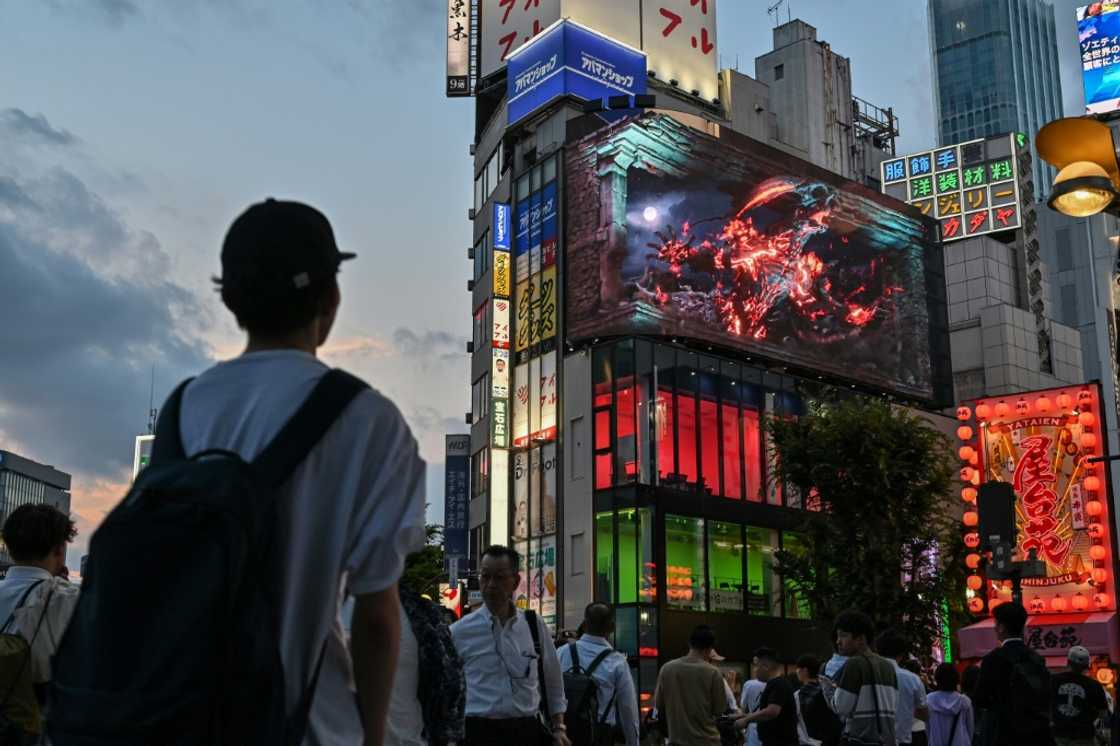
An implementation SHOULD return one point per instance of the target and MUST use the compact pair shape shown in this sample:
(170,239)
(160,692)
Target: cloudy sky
(133,131)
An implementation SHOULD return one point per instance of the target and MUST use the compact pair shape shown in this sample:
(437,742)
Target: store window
(763,597)
(603,381)
(797,605)
(687,475)
(626,631)
(709,432)
(664,419)
(752,453)
(647,585)
(684,563)
(625,408)
(604,557)
(725,566)
(628,567)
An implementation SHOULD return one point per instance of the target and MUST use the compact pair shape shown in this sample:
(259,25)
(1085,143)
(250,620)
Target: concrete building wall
(577,480)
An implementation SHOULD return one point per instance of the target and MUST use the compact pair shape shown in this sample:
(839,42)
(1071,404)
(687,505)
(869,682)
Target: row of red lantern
(970,475)
(1042,404)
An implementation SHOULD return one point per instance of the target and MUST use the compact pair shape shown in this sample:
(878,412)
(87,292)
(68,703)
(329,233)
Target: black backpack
(175,639)
(1025,713)
(585,728)
(821,723)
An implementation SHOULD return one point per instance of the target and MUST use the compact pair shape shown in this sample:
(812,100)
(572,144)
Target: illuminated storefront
(1047,445)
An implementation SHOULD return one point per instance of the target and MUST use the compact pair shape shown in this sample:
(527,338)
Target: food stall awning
(1051,635)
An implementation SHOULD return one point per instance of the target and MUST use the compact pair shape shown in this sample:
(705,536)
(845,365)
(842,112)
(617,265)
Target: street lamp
(1085,152)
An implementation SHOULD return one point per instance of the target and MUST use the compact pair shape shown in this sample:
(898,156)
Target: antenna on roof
(775,10)
(152,404)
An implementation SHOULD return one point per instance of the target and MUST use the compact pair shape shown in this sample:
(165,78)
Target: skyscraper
(995,70)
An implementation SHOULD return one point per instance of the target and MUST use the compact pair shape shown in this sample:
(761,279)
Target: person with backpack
(1014,686)
(691,693)
(1079,702)
(515,688)
(210,605)
(951,719)
(911,691)
(866,695)
(748,702)
(602,703)
(776,714)
(36,604)
(818,725)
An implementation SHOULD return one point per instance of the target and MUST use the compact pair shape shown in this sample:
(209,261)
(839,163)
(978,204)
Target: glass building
(26,482)
(995,70)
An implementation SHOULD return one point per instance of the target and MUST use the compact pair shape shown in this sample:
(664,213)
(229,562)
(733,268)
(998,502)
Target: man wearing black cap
(354,508)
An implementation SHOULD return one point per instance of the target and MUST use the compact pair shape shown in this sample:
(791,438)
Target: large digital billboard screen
(672,232)
(1098,32)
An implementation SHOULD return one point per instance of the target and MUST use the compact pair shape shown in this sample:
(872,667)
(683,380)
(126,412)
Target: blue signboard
(503,226)
(571,60)
(1098,31)
(456,495)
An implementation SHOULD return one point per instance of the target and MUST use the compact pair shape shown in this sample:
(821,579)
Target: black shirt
(782,730)
(1077,703)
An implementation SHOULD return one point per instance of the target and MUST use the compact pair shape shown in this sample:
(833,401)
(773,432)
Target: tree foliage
(423,570)
(886,539)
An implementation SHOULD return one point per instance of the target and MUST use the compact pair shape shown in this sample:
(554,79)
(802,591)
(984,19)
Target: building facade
(995,70)
(26,482)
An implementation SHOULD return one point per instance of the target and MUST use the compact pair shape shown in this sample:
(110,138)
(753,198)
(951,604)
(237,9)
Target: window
(725,565)
(684,562)
(779,72)
(797,605)
(482,256)
(480,398)
(687,475)
(627,556)
(487,180)
(603,381)
(604,557)
(482,327)
(664,421)
(709,433)
(1069,305)
(763,596)
(625,407)
(480,473)
(647,589)
(752,453)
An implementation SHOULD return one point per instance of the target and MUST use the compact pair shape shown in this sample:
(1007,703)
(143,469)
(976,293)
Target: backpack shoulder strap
(574,650)
(19,605)
(535,632)
(168,445)
(331,395)
(598,659)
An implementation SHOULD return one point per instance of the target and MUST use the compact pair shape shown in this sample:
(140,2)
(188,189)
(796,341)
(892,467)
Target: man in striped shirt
(865,696)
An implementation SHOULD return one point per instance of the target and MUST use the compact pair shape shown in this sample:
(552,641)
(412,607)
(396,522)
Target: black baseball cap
(278,247)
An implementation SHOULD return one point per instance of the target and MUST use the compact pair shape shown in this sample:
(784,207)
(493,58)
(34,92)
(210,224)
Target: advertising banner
(501,323)
(725,240)
(542,505)
(502,226)
(544,423)
(520,494)
(499,496)
(521,406)
(499,423)
(521,243)
(1098,31)
(569,59)
(680,38)
(1044,444)
(500,374)
(503,281)
(456,494)
(548,224)
(458,47)
(543,578)
(536,309)
(507,24)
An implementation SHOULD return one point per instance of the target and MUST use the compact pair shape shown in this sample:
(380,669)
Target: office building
(995,71)
(26,482)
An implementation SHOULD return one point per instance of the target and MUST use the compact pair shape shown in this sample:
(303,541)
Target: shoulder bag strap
(308,425)
(19,604)
(598,659)
(573,649)
(534,630)
(168,445)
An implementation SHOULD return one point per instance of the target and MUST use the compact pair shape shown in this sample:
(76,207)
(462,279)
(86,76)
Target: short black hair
(856,624)
(703,637)
(499,551)
(32,532)
(1013,617)
(946,677)
(892,644)
(766,654)
(811,664)
(263,312)
(598,618)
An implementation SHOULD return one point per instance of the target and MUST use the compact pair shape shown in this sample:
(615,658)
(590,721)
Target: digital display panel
(730,241)
(972,188)
(1098,33)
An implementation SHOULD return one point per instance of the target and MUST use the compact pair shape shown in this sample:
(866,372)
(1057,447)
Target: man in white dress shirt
(618,702)
(504,692)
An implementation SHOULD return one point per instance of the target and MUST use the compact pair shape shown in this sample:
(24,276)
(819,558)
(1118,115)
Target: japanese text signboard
(456,494)
(1043,444)
(507,24)
(971,188)
(458,47)
(1098,32)
(680,38)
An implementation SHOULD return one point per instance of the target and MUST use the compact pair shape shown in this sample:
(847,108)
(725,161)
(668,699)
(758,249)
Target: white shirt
(500,665)
(613,680)
(354,507)
(405,726)
(63,600)
(911,696)
(749,701)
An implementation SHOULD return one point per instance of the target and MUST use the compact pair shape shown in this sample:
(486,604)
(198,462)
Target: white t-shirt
(354,508)
(63,597)
(406,720)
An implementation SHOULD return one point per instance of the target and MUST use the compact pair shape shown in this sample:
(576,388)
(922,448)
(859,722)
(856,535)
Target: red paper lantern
(974,582)
(1100,576)
(1058,603)
(1098,552)
(968,494)
(1036,606)
(983,411)
(1106,676)
(964,432)
(966,453)
(972,540)
(1002,409)
(1092,483)
(971,518)
(1094,507)
(975,481)
(976,605)
(1043,404)
(966,474)
(974,460)
(1096,530)
(972,561)
(964,414)
(1086,419)
(1080,603)
(1088,440)
(1065,401)
(1101,600)
(1022,407)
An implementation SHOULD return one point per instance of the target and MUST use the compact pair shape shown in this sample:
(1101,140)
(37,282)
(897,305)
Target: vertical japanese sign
(536,309)
(680,38)
(502,278)
(456,494)
(507,24)
(499,423)
(501,324)
(499,496)
(458,48)
(521,406)
(500,374)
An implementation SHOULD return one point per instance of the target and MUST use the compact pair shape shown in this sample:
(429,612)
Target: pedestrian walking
(776,714)
(515,689)
(818,725)
(593,655)
(291,483)
(1014,686)
(748,702)
(866,695)
(951,718)
(36,604)
(691,693)
(1079,702)
(893,646)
